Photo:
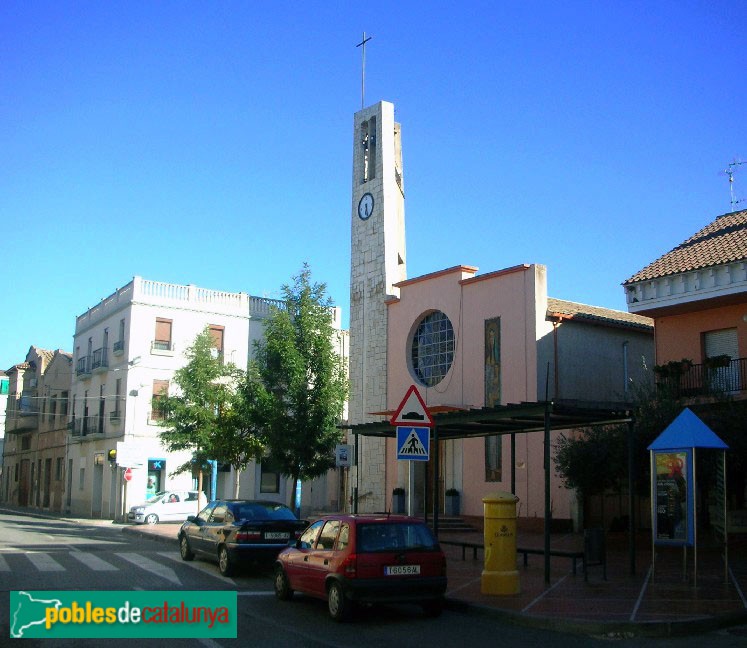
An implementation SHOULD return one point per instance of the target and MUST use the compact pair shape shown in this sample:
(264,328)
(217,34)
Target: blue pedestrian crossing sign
(413,443)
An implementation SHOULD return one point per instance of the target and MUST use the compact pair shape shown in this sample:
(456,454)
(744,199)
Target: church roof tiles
(561,309)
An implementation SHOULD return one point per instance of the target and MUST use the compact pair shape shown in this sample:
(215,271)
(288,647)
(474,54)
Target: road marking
(92,561)
(151,566)
(739,589)
(202,567)
(541,596)
(641,593)
(4,566)
(44,562)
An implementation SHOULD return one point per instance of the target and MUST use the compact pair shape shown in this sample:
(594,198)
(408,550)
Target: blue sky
(211,143)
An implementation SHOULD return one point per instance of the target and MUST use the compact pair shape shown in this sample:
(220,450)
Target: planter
(451,505)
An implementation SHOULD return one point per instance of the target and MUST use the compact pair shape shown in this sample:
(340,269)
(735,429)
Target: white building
(3,405)
(127,349)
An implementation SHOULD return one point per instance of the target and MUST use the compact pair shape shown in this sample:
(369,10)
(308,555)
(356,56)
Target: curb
(136,530)
(602,629)
(599,629)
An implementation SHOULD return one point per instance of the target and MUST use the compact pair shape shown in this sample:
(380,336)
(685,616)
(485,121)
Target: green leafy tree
(304,386)
(597,460)
(204,415)
(592,461)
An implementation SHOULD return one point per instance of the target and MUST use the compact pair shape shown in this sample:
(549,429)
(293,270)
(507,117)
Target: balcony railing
(115,417)
(118,348)
(162,347)
(79,427)
(100,360)
(83,366)
(705,379)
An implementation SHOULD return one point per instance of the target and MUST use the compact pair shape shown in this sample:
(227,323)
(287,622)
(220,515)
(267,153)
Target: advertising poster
(673,497)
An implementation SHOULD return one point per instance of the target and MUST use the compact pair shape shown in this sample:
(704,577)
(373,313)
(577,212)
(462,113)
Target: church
(467,341)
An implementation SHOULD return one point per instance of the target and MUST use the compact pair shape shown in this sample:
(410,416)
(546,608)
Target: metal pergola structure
(518,418)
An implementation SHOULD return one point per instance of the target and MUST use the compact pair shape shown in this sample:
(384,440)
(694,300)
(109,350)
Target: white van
(167,506)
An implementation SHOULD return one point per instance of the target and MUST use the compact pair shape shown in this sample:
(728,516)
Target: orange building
(697,296)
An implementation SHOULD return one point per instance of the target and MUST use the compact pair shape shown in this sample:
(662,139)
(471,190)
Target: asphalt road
(46,554)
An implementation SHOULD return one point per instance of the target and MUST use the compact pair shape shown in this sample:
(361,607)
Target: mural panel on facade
(493,394)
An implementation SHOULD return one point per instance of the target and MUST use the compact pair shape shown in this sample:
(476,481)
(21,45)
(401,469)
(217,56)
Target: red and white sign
(412,411)
(127,474)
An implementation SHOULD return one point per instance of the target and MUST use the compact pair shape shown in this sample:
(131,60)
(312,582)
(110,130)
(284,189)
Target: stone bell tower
(377,263)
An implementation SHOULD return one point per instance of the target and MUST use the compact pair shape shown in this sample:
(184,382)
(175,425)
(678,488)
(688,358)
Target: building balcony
(83,367)
(118,348)
(77,427)
(100,360)
(708,379)
(22,421)
(96,424)
(162,347)
(115,418)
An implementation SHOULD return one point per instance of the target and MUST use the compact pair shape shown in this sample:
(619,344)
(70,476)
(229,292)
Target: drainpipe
(556,386)
(625,369)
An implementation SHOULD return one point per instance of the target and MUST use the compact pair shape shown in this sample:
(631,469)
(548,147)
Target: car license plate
(401,570)
(276,535)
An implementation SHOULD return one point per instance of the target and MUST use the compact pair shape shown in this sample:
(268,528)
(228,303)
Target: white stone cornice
(687,287)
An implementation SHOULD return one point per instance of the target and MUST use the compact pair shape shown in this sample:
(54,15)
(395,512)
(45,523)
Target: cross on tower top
(362,45)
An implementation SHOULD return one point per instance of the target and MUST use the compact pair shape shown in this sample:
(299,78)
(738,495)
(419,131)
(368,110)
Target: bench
(561,553)
(464,545)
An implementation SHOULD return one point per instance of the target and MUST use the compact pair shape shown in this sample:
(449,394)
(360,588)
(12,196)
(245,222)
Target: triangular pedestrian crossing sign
(412,410)
(413,443)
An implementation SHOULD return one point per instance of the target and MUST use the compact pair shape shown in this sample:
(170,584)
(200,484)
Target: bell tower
(377,263)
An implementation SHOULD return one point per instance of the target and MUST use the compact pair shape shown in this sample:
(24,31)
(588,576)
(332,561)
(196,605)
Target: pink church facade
(469,341)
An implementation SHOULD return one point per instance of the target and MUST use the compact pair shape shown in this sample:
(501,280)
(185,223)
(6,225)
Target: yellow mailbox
(500,575)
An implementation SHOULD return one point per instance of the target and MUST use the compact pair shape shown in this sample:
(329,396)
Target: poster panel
(673,497)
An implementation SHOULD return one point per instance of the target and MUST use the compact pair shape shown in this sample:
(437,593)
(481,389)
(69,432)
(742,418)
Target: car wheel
(282,587)
(225,562)
(338,607)
(151,519)
(433,608)
(184,549)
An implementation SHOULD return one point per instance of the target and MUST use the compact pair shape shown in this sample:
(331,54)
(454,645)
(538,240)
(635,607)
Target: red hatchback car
(349,559)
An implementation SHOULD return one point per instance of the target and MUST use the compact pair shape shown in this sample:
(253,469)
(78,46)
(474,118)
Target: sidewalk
(624,605)
(663,604)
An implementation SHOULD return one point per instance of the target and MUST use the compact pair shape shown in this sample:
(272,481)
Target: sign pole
(435,481)
(123,490)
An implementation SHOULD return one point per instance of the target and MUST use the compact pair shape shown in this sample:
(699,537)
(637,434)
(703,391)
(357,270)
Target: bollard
(500,575)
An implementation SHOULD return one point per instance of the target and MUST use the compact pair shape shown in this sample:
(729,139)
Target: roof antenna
(730,170)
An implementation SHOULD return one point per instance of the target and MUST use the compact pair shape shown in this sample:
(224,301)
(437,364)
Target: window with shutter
(162,341)
(722,344)
(160,390)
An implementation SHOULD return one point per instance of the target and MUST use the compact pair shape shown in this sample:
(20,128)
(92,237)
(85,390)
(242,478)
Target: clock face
(365,206)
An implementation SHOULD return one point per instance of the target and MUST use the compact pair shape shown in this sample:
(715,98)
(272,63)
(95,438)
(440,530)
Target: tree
(304,386)
(202,415)
(596,460)
(592,461)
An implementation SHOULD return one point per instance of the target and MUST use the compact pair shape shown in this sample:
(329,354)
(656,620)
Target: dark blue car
(235,532)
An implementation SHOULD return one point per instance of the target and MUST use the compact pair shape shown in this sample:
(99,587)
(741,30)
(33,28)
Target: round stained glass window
(432,348)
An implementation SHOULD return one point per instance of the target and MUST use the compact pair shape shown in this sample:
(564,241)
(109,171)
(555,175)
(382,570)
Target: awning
(453,422)
(516,418)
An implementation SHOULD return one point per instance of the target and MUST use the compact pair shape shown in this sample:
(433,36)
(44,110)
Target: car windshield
(394,536)
(261,511)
